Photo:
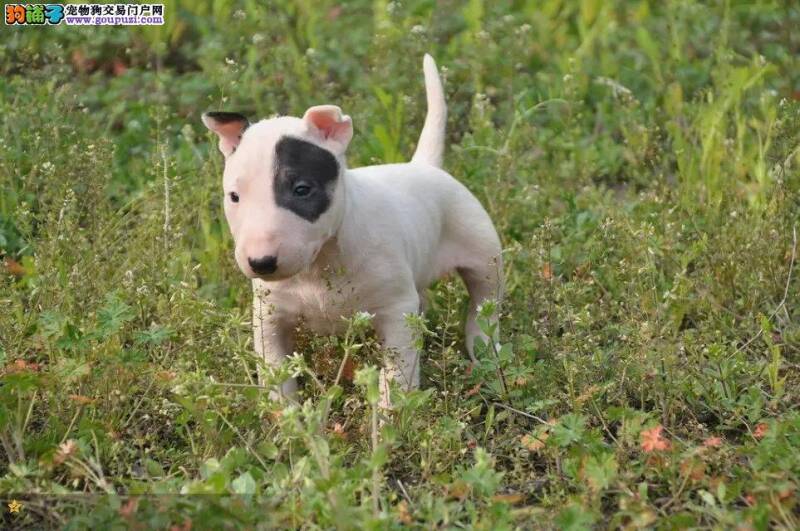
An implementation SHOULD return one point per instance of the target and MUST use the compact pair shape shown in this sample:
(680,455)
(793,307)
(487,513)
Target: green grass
(640,160)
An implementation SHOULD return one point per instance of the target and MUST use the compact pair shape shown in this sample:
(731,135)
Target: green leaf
(244,484)
(155,335)
(51,324)
(69,370)
(268,449)
(569,430)
(209,467)
(601,471)
(482,477)
(575,518)
(113,315)
(707,497)
(368,378)
(153,468)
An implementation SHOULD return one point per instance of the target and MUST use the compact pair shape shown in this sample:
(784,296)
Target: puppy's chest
(320,302)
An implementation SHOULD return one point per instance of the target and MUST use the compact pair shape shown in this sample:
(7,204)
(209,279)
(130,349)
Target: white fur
(390,232)
(430,148)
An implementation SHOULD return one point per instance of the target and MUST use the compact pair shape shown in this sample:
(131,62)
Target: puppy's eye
(234,197)
(301,190)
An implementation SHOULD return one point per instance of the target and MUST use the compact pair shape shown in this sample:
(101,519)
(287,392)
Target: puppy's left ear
(330,125)
(229,127)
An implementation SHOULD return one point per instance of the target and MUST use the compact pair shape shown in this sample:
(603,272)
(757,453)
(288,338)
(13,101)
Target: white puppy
(322,241)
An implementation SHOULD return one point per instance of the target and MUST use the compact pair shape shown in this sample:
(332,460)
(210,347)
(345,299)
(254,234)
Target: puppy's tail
(430,148)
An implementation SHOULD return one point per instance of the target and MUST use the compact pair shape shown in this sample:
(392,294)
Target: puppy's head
(284,196)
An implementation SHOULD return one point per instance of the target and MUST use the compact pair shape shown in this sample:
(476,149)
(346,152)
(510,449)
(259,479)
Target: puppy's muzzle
(266,265)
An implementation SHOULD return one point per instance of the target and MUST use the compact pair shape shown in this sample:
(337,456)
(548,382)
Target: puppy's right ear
(330,125)
(229,127)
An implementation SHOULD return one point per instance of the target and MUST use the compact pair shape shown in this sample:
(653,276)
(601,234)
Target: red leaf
(652,440)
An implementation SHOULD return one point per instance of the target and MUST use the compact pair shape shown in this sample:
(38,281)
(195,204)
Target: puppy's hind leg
(484,282)
(401,363)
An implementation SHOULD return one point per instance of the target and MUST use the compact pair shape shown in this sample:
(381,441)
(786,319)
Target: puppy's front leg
(273,340)
(402,361)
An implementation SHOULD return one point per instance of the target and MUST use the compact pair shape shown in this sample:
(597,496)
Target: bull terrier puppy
(321,241)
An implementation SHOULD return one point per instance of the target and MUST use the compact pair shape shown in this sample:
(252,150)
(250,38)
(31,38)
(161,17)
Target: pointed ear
(328,122)
(229,127)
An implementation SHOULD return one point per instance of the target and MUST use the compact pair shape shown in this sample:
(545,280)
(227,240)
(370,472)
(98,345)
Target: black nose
(265,265)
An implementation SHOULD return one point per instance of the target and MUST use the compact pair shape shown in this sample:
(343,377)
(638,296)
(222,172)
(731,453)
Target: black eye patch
(302,164)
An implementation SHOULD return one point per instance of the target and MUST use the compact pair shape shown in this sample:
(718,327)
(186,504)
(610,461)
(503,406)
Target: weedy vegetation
(640,160)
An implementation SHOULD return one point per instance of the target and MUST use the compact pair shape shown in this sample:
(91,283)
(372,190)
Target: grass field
(640,160)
